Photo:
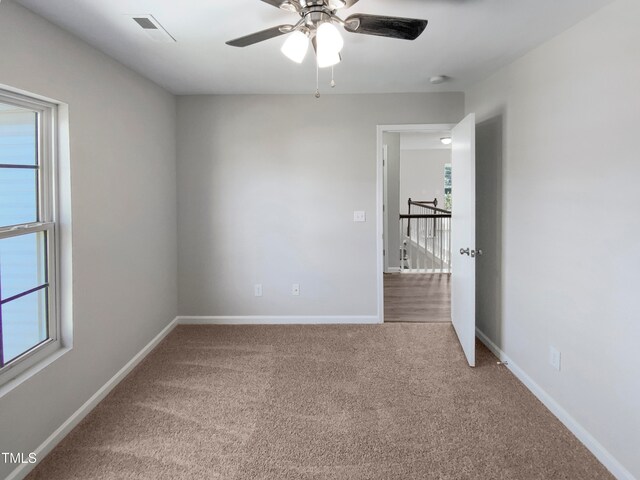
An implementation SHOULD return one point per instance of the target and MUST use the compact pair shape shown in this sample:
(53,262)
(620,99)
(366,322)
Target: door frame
(381,230)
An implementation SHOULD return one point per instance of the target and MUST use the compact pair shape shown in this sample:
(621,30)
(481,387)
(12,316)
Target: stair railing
(425,233)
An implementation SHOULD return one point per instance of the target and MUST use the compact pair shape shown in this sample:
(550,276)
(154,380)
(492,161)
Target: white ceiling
(466,40)
(423,140)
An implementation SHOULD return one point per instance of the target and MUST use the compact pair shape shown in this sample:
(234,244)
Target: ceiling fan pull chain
(317,80)
(333,82)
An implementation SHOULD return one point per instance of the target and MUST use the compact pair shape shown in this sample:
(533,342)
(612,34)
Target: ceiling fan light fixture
(329,37)
(327,58)
(295,46)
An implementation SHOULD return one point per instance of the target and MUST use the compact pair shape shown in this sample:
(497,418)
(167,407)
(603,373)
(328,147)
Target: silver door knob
(476,253)
(464,251)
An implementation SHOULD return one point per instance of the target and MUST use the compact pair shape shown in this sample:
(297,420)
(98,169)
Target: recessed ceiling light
(438,79)
(446,140)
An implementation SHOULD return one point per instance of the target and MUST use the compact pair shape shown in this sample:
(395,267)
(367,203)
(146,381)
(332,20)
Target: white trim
(380,222)
(595,447)
(385,208)
(417,127)
(380,265)
(56,437)
(279,320)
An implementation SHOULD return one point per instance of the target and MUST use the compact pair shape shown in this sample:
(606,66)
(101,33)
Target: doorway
(417,194)
(430,240)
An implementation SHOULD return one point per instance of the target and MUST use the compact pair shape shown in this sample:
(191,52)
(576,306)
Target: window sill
(32,371)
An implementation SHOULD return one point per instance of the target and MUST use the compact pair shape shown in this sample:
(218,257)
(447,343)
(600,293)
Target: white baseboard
(280,320)
(595,447)
(56,437)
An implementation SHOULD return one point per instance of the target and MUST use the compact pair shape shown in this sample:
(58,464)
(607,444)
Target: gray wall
(124,217)
(422,175)
(392,205)
(557,140)
(267,186)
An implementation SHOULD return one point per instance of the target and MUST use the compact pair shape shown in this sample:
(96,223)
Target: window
(447,186)
(29,327)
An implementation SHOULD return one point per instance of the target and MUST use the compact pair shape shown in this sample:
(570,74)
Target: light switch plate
(359,216)
(295,289)
(257,289)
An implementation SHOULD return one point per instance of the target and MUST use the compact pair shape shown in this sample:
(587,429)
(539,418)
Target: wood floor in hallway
(414,297)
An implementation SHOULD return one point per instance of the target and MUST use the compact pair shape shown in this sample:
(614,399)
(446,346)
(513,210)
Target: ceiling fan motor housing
(315,3)
(314,18)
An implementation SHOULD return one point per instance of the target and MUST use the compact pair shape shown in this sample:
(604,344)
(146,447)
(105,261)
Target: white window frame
(47,222)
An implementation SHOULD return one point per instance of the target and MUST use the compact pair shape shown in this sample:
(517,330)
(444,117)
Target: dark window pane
(22,263)
(18,196)
(24,324)
(18,136)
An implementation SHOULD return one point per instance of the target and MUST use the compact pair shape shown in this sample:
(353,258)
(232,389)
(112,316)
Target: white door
(385,207)
(463,235)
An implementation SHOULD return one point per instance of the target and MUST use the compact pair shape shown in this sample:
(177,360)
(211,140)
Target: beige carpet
(319,402)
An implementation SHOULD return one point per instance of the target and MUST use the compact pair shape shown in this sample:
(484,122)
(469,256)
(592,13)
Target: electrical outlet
(554,357)
(257,289)
(295,289)
(359,216)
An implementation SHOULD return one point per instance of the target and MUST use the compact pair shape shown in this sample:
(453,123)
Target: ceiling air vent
(152,28)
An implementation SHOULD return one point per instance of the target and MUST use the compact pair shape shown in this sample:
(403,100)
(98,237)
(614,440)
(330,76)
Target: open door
(463,235)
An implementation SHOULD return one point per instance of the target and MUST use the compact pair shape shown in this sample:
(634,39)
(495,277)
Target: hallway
(417,298)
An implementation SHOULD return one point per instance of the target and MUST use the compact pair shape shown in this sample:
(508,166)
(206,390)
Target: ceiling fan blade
(260,36)
(393,27)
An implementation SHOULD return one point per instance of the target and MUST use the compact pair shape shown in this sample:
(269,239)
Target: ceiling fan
(317,25)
